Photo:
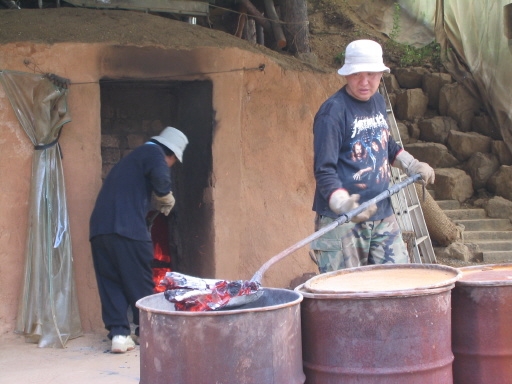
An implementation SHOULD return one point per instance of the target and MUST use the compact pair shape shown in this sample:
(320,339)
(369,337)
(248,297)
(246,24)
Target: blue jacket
(125,197)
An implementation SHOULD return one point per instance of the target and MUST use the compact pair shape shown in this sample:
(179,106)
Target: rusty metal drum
(385,324)
(482,325)
(257,343)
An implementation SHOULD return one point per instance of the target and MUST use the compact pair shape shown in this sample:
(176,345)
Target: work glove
(411,167)
(342,202)
(163,204)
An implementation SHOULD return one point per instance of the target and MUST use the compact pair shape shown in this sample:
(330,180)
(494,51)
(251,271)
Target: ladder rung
(421,239)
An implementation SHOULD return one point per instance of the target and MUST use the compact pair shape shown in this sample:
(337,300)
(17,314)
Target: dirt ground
(85,360)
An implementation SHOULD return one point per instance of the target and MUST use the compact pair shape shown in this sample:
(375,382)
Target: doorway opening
(134,111)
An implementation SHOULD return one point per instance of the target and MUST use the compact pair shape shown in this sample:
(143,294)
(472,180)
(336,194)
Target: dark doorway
(132,112)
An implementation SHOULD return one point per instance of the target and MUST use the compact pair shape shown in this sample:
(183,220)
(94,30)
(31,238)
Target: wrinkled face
(363,85)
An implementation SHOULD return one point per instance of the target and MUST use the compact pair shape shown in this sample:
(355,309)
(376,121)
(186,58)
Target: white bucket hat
(173,139)
(363,56)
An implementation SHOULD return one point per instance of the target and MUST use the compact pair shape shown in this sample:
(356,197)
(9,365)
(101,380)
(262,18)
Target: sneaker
(121,344)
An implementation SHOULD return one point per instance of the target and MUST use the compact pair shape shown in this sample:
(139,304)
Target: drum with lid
(385,324)
(482,325)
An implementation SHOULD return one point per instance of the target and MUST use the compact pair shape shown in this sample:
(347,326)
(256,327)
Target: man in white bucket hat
(352,152)
(121,243)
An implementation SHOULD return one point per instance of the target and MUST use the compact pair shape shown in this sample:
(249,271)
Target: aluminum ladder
(406,203)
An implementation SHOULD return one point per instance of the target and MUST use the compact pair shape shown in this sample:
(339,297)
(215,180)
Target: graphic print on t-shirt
(369,148)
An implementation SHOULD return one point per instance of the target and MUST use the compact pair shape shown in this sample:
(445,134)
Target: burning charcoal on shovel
(194,294)
(174,280)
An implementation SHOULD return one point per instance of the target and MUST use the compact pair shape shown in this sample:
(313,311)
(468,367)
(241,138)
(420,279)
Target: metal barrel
(399,336)
(257,343)
(482,325)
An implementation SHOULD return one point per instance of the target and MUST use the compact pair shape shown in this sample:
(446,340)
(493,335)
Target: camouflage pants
(353,245)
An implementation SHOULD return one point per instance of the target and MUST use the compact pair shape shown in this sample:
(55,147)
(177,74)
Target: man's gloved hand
(342,202)
(163,204)
(411,167)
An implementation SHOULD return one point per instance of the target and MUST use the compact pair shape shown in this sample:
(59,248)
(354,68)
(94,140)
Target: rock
(410,78)
(503,182)
(403,131)
(392,100)
(414,131)
(459,251)
(500,149)
(452,184)
(499,207)
(411,104)
(436,129)
(481,166)
(484,125)
(455,101)
(432,84)
(390,83)
(436,155)
(465,144)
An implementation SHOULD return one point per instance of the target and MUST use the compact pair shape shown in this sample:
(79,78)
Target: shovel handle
(345,218)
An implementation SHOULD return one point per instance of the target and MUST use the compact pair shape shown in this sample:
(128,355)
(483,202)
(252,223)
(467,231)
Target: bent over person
(352,150)
(121,243)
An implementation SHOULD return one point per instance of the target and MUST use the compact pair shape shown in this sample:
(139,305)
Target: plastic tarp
(48,309)
(472,35)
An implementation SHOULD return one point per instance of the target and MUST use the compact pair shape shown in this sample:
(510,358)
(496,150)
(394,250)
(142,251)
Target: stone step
(491,257)
(474,236)
(492,236)
(448,204)
(464,214)
(486,224)
(495,245)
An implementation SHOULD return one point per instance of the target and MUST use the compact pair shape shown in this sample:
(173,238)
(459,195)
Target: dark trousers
(124,275)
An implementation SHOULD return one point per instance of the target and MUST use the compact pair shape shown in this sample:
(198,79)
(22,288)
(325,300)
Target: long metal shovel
(237,301)
(345,218)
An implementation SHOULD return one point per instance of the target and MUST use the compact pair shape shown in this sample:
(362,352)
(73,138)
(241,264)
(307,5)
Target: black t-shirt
(352,150)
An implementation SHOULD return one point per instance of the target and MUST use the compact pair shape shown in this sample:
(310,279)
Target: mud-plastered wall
(261,185)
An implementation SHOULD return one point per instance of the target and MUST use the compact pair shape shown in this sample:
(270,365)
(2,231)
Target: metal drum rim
(374,294)
(483,283)
(225,312)
(457,275)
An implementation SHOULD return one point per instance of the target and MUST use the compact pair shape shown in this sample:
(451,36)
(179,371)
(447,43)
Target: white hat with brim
(173,139)
(363,56)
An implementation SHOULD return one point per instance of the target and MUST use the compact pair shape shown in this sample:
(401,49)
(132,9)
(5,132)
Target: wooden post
(260,35)
(241,21)
(276,26)
(253,11)
(296,25)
